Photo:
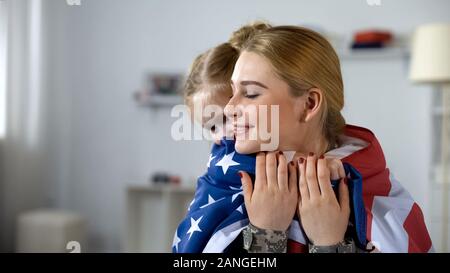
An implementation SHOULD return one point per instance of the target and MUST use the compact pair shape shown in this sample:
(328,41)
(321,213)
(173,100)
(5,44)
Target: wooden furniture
(153,214)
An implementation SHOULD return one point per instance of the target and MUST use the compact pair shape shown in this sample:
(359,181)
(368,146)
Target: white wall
(100,140)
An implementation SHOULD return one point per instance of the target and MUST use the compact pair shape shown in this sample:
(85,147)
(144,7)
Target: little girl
(208,83)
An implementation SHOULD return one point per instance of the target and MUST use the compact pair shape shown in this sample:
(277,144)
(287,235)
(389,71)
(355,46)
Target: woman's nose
(232,109)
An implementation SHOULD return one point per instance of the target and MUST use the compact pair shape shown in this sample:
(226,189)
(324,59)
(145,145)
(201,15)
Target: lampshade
(431,54)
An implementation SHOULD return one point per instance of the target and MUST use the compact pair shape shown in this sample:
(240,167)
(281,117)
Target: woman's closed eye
(251,95)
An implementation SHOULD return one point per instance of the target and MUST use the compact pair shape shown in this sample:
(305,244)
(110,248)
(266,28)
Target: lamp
(431,64)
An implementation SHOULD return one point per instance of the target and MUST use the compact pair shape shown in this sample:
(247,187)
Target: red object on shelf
(372,36)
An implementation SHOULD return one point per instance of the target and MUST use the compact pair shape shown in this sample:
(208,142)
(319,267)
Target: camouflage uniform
(258,240)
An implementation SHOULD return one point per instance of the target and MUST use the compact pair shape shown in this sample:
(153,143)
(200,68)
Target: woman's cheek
(247,146)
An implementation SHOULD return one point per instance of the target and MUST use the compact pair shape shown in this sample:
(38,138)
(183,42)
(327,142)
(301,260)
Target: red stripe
(377,185)
(371,164)
(296,247)
(419,239)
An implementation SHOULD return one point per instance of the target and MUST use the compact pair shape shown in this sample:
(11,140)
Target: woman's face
(256,87)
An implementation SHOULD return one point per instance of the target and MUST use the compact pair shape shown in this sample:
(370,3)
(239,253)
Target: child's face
(216,123)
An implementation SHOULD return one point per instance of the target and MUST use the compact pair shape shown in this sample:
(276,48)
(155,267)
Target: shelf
(153,214)
(165,100)
(159,100)
(365,54)
(161,188)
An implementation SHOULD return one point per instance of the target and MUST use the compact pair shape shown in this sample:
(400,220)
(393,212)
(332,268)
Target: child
(208,83)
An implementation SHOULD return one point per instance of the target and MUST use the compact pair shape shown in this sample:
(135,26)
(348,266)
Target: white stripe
(296,233)
(389,214)
(224,237)
(348,145)
(397,189)
(399,192)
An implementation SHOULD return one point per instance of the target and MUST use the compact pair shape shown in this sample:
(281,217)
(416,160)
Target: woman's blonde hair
(305,59)
(211,71)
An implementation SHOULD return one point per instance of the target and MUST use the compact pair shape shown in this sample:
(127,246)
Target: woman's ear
(313,101)
(299,108)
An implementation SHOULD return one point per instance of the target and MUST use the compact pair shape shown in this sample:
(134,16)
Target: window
(3,68)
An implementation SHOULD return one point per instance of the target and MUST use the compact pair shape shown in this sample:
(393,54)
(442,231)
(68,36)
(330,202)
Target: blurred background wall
(81,138)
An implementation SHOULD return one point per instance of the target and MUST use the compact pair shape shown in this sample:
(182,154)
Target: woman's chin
(247,146)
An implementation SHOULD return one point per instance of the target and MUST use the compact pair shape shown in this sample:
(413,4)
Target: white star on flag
(211,201)
(236,194)
(210,159)
(226,162)
(194,226)
(240,209)
(176,241)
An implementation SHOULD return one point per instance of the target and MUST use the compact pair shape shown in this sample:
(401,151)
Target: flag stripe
(415,227)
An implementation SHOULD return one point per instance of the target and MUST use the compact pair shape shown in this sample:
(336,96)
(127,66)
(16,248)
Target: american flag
(217,213)
(382,211)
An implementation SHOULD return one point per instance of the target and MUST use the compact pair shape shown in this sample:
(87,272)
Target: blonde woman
(264,200)
(298,70)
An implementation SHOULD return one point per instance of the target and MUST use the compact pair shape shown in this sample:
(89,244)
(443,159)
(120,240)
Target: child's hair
(211,71)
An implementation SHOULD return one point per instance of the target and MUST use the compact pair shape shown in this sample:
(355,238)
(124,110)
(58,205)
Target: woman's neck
(315,143)
(317,147)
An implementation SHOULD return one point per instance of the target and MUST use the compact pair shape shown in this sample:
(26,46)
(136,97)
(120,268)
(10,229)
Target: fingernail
(301,160)
(311,154)
(322,157)
(240,174)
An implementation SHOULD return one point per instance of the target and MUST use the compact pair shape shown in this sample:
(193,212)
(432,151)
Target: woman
(298,70)
(293,206)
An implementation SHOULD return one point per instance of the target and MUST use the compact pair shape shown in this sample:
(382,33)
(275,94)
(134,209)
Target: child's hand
(271,203)
(323,217)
